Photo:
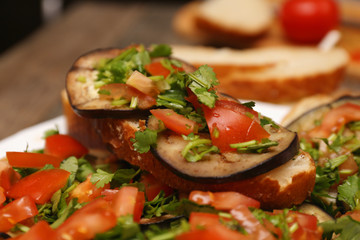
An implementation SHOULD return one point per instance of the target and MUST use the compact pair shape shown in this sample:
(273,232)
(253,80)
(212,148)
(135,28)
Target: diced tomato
(252,226)
(8,176)
(154,186)
(223,200)
(207,226)
(355,214)
(335,119)
(143,84)
(95,217)
(129,201)
(2,196)
(175,122)
(32,160)
(126,91)
(64,146)
(40,186)
(227,125)
(348,168)
(157,69)
(16,211)
(40,231)
(109,194)
(87,191)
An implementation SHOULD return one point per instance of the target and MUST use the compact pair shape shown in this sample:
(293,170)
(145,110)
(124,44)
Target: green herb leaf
(160,50)
(144,140)
(345,228)
(349,192)
(100,178)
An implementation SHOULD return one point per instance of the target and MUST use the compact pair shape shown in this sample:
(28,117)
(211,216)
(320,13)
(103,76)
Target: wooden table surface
(33,72)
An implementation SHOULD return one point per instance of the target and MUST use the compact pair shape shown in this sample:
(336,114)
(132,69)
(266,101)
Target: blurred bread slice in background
(276,74)
(224,22)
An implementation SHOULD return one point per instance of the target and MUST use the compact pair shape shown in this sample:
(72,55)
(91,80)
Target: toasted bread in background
(274,74)
(224,22)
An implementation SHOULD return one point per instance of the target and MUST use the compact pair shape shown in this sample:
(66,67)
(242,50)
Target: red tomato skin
(203,220)
(228,126)
(40,231)
(8,176)
(40,186)
(2,196)
(109,194)
(335,119)
(175,122)
(154,186)
(95,217)
(129,201)
(157,69)
(16,211)
(139,206)
(64,146)
(87,191)
(308,21)
(32,160)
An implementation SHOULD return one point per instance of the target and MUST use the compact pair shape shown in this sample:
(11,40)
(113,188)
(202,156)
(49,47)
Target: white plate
(32,138)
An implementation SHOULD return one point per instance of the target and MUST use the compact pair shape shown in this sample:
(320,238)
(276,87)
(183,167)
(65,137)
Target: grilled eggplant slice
(225,167)
(308,119)
(83,90)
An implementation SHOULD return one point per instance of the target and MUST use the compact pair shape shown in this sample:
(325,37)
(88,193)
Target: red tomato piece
(32,160)
(203,220)
(228,126)
(126,91)
(157,69)
(2,196)
(201,197)
(252,226)
(95,217)
(308,21)
(306,226)
(109,194)
(335,119)
(154,186)
(129,201)
(64,146)
(175,122)
(16,211)
(8,176)
(40,186)
(40,231)
(87,191)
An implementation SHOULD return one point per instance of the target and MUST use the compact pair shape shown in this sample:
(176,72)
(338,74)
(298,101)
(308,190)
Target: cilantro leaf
(345,227)
(100,178)
(349,191)
(122,176)
(70,165)
(144,140)
(185,207)
(160,50)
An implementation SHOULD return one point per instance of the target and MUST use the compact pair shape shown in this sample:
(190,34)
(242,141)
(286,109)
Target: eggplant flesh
(307,120)
(224,167)
(83,95)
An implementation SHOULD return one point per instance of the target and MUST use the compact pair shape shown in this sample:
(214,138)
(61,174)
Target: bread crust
(267,188)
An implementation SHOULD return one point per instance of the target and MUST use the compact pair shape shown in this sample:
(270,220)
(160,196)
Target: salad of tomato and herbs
(64,191)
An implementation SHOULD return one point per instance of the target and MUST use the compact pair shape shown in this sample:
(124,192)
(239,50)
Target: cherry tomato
(87,191)
(40,231)
(175,122)
(32,160)
(121,90)
(8,176)
(129,201)
(228,125)
(40,186)
(308,21)
(157,69)
(95,217)
(64,146)
(223,200)
(16,211)
(153,187)
(335,119)
(252,226)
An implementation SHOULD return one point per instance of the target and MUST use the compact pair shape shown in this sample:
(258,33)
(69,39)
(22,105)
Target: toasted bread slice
(273,74)
(289,184)
(230,22)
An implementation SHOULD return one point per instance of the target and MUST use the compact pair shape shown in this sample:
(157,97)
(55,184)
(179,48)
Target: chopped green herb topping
(254,146)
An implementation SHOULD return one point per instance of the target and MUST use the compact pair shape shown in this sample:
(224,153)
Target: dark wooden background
(32,72)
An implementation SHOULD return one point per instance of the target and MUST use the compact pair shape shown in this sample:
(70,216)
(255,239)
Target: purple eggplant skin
(4,236)
(307,120)
(214,169)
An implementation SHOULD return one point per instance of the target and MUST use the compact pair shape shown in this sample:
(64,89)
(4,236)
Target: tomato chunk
(2,196)
(40,186)
(87,191)
(175,122)
(40,231)
(335,119)
(32,160)
(129,201)
(95,217)
(64,146)
(16,211)
(157,69)
(153,187)
(8,176)
(228,125)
